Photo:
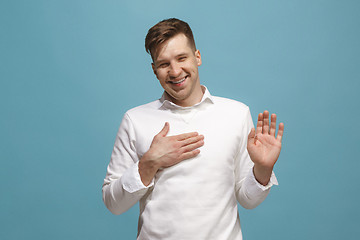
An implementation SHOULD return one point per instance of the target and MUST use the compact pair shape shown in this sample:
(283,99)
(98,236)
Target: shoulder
(230,104)
(143,109)
(232,110)
(234,113)
(138,116)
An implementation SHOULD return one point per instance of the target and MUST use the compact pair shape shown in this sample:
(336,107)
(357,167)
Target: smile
(179,81)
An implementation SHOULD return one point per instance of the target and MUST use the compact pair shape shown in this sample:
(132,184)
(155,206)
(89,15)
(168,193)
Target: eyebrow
(177,56)
(182,55)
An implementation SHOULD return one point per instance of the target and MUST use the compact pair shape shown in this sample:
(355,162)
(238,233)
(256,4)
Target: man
(189,156)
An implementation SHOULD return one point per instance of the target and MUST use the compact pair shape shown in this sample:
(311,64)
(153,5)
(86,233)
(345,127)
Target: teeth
(181,80)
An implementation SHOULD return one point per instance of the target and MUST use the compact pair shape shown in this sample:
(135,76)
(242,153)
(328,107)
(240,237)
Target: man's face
(176,67)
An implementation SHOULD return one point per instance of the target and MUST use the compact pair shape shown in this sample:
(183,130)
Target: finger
(188,155)
(191,140)
(165,130)
(266,122)
(193,146)
(259,124)
(184,136)
(251,136)
(273,125)
(280,132)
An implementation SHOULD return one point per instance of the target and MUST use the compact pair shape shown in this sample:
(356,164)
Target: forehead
(177,45)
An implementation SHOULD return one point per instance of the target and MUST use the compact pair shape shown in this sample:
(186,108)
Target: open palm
(263,146)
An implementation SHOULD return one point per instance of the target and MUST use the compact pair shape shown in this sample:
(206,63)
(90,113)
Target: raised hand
(264,147)
(166,151)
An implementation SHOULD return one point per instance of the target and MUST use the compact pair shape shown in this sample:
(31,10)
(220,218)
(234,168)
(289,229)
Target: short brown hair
(163,31)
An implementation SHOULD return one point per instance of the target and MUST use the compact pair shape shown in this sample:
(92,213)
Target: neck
(195,98)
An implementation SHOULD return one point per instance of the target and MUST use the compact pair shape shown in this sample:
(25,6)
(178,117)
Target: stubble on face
(176,67)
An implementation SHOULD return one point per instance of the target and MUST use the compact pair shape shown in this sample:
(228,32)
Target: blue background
(70,69)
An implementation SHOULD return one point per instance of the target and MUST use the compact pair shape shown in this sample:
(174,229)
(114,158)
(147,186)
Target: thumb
(251,136)
(165,130)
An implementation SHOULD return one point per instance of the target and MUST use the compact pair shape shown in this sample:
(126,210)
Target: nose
(175,70)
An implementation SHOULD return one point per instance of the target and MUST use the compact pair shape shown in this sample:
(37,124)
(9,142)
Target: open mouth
(179,82)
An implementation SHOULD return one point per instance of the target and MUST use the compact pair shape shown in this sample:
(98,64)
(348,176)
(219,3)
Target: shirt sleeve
(249,192)
(122,186)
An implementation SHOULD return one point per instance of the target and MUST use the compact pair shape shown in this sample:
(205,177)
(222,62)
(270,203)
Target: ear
(153,68)
(198,57)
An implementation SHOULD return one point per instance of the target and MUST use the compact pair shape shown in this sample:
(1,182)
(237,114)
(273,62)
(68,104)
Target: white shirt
(196,198)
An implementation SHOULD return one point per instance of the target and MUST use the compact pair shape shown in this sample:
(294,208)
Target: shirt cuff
(255,188)
(132,182)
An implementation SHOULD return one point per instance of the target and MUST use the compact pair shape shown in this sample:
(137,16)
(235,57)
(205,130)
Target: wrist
(147,169)
(262,174)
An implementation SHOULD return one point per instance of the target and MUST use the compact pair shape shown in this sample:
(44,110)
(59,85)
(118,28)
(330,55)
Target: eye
(163,65)
(181,59)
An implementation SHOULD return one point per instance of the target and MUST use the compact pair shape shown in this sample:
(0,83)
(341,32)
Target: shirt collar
(165,102)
